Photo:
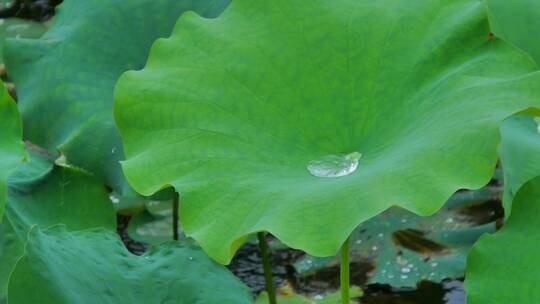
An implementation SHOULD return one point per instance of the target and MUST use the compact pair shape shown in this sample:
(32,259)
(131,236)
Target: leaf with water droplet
(235,137)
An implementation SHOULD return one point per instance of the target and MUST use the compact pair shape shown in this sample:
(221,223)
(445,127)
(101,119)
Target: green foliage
(64,196)
(503,267)
(302,118)
(518,22)
(41,195)
(65,79)
(11,249)
(231,111)
(11,146)
(92,266)
(519,150)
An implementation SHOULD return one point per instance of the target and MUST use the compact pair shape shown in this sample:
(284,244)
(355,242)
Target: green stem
(263,247)
(175,216)
(344,272)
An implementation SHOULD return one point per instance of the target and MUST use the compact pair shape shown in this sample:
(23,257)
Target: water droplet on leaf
(114,199)
(334,165)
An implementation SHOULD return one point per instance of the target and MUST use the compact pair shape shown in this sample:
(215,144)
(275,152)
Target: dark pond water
(247,266)
(38,10)
(449,292)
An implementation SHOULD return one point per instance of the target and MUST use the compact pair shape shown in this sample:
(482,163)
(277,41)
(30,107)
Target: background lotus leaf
(519,151)
(11,249)
(42,195)
(65,79)
(18,28)
(92,266)
(503,267)
(12,149)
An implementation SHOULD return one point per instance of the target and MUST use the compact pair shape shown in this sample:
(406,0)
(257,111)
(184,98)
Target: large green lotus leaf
(517,21)
(404,248)
(93,266)
(503,267)
(519,151)
(12,150)
(65,79)
(231,111)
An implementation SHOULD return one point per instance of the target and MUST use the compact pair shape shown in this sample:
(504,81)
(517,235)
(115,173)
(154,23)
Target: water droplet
(537,120)
(401,260)
(374,248)
(114,199)
(434,264)
(318,297)
(404,220)
(381,235)
(450,220)
(190,258)
(405,270)
(358,242)
(403,276)
(334,165)
(390,276)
